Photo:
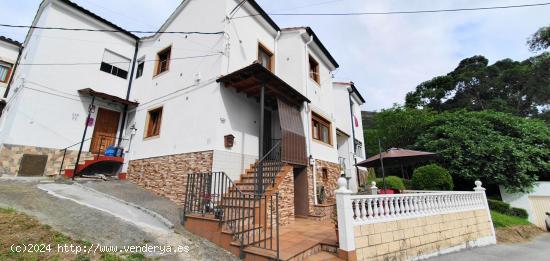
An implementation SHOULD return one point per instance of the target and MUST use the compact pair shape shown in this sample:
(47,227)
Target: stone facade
(422,237)
(327,174)
(285,187)
(167,175)
(11,155)
(324,211)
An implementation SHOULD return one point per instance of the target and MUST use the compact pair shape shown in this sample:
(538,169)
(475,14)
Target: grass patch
(502,220)
(19,229)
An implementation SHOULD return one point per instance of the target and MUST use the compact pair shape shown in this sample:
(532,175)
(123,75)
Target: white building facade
(183,102)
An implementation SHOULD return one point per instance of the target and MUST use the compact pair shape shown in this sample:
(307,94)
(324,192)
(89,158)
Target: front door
(106,126)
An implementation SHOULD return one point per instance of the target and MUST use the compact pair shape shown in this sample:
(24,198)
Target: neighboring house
(9,52)
(536,202)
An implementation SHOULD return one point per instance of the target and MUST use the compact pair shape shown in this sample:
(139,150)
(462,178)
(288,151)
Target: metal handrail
(252,218)
(78,143)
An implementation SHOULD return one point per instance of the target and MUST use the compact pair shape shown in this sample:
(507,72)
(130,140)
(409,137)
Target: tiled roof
(316,40)
(10,41)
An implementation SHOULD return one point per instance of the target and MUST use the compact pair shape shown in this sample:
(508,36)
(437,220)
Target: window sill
(318,84)
(323,143)
(151,137)
(160,74)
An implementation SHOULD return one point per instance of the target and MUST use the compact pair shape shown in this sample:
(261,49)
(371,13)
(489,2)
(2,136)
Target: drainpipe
(350,92)
(308,120)
(123,123)
(276,52)
(13,72)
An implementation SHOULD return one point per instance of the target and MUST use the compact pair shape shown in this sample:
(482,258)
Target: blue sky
(386,56)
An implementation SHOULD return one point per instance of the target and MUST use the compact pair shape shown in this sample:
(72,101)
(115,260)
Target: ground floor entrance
(105,130)
(301,203)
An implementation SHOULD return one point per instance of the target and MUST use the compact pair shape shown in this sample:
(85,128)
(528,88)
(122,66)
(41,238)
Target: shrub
(498,206)
(392,182)
(518,212)
(432,177)
(504,208)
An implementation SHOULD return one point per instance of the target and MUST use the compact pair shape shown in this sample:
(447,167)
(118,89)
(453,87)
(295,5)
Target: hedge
(504,208)
(392,182)
(432,177)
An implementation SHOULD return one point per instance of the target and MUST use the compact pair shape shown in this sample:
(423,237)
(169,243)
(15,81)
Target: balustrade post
(373,188)
(344,212)
(481,191)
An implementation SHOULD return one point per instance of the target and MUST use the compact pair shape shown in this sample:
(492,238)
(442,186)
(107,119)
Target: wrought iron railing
(267,168)
(253,219)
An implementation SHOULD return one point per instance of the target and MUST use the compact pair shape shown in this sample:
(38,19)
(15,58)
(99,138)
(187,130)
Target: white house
(9,52)
(182,102)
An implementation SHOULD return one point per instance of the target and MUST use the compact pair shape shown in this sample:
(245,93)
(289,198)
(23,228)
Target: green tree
(520,88)
(540,40)
(396,127)
(498,148)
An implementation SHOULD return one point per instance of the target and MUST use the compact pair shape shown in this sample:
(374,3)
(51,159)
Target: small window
(5,71)
(321,129)
(314,69)
(265,57)
(115,64)
(324,172)
(139,72)
(163,60)
(154,120)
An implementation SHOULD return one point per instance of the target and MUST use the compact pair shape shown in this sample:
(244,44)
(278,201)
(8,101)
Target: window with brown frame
(154,121)
(163,60)
(5,72)
(314,69)
(321,129)
(265,57)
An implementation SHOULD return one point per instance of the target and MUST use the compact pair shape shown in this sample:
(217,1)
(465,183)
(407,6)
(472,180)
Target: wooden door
(106,126)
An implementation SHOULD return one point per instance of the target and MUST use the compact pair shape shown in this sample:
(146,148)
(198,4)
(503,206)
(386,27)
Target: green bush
(504,208)
(498,206)
(392,182)
(518,212)
(432,177)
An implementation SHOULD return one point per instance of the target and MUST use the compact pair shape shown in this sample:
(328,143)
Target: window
(139,72)
(265,57)
(321,129)
(314,70)
(324,174)
(154,120)
(163,61)
(5,71)
(115,64)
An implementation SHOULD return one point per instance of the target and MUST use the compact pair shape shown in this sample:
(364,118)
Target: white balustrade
(377,208)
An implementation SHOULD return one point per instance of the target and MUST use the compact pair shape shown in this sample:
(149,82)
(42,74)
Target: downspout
(123,123)
(13,72)
(308,120)
(350,92)
(276,52)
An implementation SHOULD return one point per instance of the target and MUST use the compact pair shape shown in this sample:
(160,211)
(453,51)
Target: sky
(386,56)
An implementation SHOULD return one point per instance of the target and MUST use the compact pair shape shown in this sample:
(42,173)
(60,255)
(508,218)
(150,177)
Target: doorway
(105,130)
(301,202)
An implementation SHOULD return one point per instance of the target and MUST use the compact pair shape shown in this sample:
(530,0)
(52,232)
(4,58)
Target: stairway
(95,160)
(245,220)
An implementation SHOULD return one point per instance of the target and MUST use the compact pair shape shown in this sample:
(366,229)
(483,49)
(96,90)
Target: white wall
(521,200)
(8,54)
(45,108)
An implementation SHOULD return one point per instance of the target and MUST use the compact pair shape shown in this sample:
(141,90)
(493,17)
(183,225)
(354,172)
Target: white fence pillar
(479,188)
(373,188)
(344,211)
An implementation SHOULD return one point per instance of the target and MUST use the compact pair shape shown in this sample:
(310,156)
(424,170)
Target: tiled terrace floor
(303,234)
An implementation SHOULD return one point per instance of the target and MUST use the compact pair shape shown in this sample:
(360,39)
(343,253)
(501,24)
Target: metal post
(62,161)
(261,141)
(350,91)
(83,136)
(382,165)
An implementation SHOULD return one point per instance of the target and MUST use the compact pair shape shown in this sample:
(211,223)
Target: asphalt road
(536,250)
